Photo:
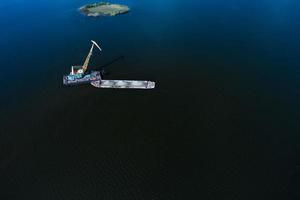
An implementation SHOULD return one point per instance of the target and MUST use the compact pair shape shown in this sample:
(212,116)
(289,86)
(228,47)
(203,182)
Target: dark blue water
(223,122)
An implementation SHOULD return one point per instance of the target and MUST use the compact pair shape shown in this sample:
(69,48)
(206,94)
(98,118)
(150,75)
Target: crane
(87,60)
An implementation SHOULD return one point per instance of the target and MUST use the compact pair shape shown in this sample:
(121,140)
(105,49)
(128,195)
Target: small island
(103,9)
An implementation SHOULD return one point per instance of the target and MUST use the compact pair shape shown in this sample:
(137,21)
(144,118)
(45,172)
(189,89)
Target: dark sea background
(223,122)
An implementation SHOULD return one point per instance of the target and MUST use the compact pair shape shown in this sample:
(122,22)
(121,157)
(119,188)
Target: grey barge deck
(123,84)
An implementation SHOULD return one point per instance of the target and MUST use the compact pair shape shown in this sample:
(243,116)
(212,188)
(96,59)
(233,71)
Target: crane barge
(78,75)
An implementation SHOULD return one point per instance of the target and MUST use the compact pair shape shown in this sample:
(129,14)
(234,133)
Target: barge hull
(94,76)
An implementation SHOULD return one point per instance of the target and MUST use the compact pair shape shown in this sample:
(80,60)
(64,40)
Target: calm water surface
(223,122)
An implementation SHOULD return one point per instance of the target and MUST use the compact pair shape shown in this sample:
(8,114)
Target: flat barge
(123,84)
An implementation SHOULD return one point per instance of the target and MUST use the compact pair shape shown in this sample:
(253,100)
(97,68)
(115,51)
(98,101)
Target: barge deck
(123,84)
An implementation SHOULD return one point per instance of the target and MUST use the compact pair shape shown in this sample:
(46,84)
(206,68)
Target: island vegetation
(103,9)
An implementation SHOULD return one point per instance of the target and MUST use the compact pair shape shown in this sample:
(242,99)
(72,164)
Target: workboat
(78,75)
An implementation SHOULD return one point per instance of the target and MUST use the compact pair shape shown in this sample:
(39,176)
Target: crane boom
(96,45)
(87,60)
